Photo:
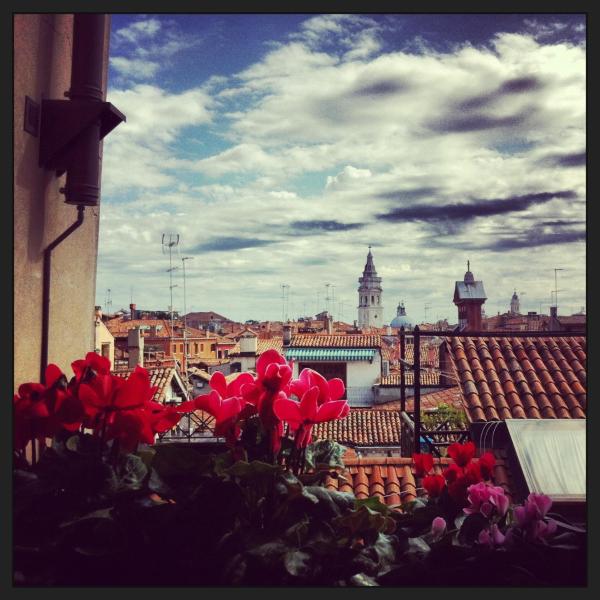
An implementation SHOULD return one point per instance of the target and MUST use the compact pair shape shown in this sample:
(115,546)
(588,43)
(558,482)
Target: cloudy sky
(279,147)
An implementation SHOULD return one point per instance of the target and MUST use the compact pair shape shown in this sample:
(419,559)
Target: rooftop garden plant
(98,503)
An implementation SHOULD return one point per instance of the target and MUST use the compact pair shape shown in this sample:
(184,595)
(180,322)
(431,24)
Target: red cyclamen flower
(462,453)
(434,484)
(423,464)
(486,464)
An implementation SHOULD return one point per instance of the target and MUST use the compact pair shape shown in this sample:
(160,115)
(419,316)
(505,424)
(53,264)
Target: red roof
(305,340)
(362,427)
(451,396)
(392,479)
(521,377)
(160,377)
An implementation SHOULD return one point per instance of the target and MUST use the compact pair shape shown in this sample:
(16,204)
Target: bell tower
(370,307)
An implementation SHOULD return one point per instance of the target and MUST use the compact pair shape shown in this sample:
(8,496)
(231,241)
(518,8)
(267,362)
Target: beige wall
(104,336)
(42,69)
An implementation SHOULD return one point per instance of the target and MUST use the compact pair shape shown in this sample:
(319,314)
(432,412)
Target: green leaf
(373,503)
(103,513)
(417,545)
(255,469)
(131,472)
(297,563)
(362,580)
(325,453)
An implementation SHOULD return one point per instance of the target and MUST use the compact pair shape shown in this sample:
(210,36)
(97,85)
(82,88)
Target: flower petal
(331,410)
(288,410)
(336,388)
(218,383)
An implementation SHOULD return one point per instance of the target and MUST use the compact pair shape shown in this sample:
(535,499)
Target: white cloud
(382,131)
(139,30)
(346,177)
(135,69)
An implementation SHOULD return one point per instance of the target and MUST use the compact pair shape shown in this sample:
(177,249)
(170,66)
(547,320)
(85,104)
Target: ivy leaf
(417,545)
(362,580)
(325,453)
(297,563)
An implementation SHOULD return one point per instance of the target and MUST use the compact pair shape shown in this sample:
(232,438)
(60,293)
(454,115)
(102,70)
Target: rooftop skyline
(280,146)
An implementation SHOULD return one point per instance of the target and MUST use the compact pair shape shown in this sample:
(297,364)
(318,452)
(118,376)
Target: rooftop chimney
(97,314)
(287,334)
(135,347)
(329,324)
(132,312)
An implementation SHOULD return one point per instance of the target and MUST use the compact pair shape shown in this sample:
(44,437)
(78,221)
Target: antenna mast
(108,302)
(285,295)
(185,345)
(170,240)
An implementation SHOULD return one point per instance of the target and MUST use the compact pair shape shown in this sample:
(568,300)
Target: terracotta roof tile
(391,479)
(363,427)
(451,396)
(160,377)
(427,378)
(335,341)
(534,378)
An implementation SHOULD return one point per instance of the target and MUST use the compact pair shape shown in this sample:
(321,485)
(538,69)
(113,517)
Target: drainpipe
(46,287)
(70,134)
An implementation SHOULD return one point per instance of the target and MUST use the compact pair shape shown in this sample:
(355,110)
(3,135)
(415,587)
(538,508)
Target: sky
(277,147)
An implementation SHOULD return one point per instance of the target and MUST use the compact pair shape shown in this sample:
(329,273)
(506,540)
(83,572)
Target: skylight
(552,455)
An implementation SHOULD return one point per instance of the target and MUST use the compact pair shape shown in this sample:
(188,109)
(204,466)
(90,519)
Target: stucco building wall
(42,70)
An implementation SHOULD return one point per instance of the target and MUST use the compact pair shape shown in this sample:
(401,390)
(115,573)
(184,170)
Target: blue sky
(279,146)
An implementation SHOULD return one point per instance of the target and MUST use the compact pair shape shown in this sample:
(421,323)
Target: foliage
(97,510)
(445,414)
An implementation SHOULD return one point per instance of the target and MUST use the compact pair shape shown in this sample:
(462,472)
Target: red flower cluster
(458,476)
(114,408)
(267,395)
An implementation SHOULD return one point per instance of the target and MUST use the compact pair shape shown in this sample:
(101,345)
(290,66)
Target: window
(552,456)
(195,348)
(372,299)
(201,347)
(181,348)
(213,347)
(174,347)
(106,350)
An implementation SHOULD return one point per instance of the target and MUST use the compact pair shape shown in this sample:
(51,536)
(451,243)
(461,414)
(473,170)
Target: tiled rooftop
(362,427)
(275,343)
(429,377)
(511,377)
(120,326)
(335,341)
(451,396)
(391,479)
(160,377)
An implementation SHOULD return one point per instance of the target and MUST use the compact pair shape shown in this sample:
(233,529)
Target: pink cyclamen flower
(535,508)
(438,527)
(491,537)
(301,416)
(332,389)
(487,500)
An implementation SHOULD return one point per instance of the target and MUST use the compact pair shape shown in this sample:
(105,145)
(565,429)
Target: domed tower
(515,309)
(469,297)
(402,319)
(370,308)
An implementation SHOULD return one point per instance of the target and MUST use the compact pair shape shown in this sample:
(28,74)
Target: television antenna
(170,241)
(108,302)
(426,307)
(185,345)
(285,296)
(556,290)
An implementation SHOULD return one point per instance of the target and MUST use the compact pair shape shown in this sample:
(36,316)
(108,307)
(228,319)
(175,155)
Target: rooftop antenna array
(556,290)
(285,297)
(185,344)
(426,307)
(108,302)
(170,241)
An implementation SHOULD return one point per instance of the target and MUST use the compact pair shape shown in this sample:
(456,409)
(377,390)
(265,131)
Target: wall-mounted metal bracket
(63,122)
